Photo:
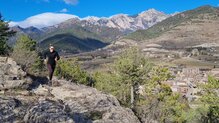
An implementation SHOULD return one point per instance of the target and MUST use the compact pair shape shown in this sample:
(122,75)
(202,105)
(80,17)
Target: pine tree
(24,52)
(5,33)
(133,68)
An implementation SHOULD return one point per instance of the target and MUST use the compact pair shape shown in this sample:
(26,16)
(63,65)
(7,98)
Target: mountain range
(189,28)
(103,30)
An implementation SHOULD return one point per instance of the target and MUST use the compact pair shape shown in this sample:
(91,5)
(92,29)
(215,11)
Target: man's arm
(57,56)
(45,57)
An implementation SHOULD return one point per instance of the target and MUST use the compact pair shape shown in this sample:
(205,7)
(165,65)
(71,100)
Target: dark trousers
(51,69)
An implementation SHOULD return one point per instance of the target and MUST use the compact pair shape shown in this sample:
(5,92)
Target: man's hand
(45,61)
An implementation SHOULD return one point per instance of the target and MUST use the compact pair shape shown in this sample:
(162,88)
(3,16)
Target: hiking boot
(50,83)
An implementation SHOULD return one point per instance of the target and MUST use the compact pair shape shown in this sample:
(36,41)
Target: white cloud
(43,20)
(11,24)
(64,10)
(71,2)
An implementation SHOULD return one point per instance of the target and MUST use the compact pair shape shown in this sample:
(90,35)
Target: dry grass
(191,62)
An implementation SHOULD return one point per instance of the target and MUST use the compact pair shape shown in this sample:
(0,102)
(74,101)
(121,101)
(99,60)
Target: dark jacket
(51,56)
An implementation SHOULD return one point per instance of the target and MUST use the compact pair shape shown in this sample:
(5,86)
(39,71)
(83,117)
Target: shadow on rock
(37,81)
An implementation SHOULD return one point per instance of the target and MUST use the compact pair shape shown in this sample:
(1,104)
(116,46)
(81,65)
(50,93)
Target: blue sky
(17,10)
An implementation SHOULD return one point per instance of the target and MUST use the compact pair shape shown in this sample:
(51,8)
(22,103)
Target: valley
(188,47)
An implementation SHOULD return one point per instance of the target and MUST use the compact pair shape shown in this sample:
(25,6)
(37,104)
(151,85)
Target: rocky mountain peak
(151,13)
(123,22)
(91,18)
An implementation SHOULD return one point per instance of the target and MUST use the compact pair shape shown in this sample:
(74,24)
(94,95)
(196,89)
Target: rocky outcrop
(47,111)
(86,104)
(65,103)
(69,103)
(11,75)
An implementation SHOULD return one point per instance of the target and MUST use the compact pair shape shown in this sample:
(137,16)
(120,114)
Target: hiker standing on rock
(50,58)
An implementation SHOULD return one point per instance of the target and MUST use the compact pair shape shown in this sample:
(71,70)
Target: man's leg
(50,71)
(53,69)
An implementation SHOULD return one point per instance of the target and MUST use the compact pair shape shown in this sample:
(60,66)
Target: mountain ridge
(90,19)
(95,29)
(190,16)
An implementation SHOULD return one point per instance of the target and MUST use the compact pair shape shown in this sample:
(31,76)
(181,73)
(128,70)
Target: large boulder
(94,105)
(47,111)
(11,75)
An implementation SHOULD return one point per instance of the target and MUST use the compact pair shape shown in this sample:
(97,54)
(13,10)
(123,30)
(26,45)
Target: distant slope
(77,28)
(74,39)
(198,16)
(68,43)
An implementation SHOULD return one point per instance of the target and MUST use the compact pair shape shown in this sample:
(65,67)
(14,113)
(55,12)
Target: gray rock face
(47,111)
(8,109)
(87,105)
(67,103)
(11,75)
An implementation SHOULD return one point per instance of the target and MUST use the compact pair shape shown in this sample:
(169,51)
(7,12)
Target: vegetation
(68,43)
(132,71)
(173,22)
(104,34)
(76,39)
(158,102)
(5,33)
(25,54)
(155,102)
(70,70)
(128,73)
(208,110)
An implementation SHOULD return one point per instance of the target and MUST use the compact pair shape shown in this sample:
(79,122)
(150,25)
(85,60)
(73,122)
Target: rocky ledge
(67,102)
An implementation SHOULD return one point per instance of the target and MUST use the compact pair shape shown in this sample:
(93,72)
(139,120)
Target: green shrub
(208,110)
(70,70)
(112,84)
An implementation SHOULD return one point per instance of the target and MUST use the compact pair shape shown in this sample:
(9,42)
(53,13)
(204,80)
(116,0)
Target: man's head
(51,48)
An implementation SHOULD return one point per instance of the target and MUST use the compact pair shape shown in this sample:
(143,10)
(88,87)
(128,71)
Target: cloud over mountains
(43,20)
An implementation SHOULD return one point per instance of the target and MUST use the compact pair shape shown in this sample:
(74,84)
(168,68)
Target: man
(51,58)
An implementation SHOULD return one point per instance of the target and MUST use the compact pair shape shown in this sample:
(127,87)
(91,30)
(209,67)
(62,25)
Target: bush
(112,84)
(208,110)
(70,70)
(158,102)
